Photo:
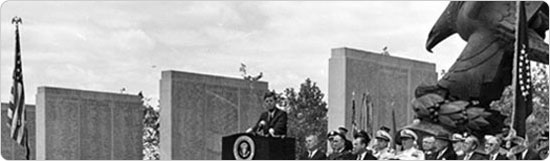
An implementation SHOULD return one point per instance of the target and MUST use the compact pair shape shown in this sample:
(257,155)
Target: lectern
(246,146)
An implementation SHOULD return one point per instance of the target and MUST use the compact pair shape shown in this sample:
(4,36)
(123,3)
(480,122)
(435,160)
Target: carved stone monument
(78,125)
(389,81)
(197,110)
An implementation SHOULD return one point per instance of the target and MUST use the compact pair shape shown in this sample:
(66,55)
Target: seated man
(471,143)
(428,147)
(313,152)
(339,152)
(381,149)
(520,149)
(273,121)
(408,149)
(492,147)
(360,148)
(458,144)
(344,131)
(445,151)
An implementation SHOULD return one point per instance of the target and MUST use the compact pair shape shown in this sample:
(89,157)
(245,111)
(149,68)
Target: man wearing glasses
(273,121)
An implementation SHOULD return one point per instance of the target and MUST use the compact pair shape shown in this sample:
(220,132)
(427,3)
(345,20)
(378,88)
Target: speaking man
(273,121)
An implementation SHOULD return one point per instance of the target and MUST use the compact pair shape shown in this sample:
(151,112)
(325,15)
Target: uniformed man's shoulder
(417,153)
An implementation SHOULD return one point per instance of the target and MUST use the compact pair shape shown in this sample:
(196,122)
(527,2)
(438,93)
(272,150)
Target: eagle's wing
(501,18)
(501,13)
(483,68)
(478,64)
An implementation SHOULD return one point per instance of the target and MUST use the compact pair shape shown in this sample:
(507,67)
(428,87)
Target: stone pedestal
(197,110)
(390,82)
(10,149)
(80,125)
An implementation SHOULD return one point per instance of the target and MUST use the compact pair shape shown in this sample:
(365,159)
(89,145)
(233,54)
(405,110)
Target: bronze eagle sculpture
(460,100)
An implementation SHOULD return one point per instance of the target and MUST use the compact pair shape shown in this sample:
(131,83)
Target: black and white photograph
(274,80)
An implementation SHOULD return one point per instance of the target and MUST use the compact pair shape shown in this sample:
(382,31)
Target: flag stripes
(16,112)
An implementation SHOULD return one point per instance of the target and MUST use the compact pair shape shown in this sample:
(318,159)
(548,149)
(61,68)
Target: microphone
(262,123)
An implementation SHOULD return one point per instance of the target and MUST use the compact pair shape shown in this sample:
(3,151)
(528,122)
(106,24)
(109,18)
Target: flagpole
(353,124)
(362,113)
(515,68)
(369,113)
(18,74)
(394,126)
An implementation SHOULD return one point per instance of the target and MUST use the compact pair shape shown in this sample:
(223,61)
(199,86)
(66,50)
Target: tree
(538,120)
(307,114)
(150,130)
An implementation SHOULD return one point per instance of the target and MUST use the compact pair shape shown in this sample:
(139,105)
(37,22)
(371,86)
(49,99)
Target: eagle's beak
(445,25)
(435,37)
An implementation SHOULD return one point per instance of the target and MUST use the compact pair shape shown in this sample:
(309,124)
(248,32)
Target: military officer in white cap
(381,148)
(408,144)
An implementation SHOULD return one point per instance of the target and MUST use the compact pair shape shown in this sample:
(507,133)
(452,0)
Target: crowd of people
(407,146)
(429,147)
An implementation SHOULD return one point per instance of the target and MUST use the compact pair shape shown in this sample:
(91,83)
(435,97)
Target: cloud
(110,45)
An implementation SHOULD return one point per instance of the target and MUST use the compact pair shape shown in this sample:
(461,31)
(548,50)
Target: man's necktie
(467,157)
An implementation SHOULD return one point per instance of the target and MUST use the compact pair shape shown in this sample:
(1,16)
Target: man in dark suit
(360,148)
(444,149)
(428,147)
(339,152)
(313,152)
(492,147)
(528,154)
(471,143)
(344,131)
(273,121)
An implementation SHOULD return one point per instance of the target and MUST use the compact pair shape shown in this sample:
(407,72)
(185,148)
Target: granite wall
(82,125)
(390,81)
(197,110)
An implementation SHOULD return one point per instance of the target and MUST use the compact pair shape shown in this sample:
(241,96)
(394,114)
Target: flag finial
(16,20)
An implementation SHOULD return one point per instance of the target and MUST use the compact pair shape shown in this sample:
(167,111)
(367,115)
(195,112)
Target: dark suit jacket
(278,122)
(449,154)
(368,156)
(531,155)
(499,157)
(319,155)
(348,145)
(475,156)
(430,156)
(346,155)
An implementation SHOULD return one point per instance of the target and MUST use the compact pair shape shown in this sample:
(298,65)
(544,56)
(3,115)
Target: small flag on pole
(16,112)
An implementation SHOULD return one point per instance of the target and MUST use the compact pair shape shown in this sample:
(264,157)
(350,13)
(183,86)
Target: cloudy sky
(107,46)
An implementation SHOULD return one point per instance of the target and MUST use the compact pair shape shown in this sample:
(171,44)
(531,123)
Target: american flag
(17,113)
(523,95)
